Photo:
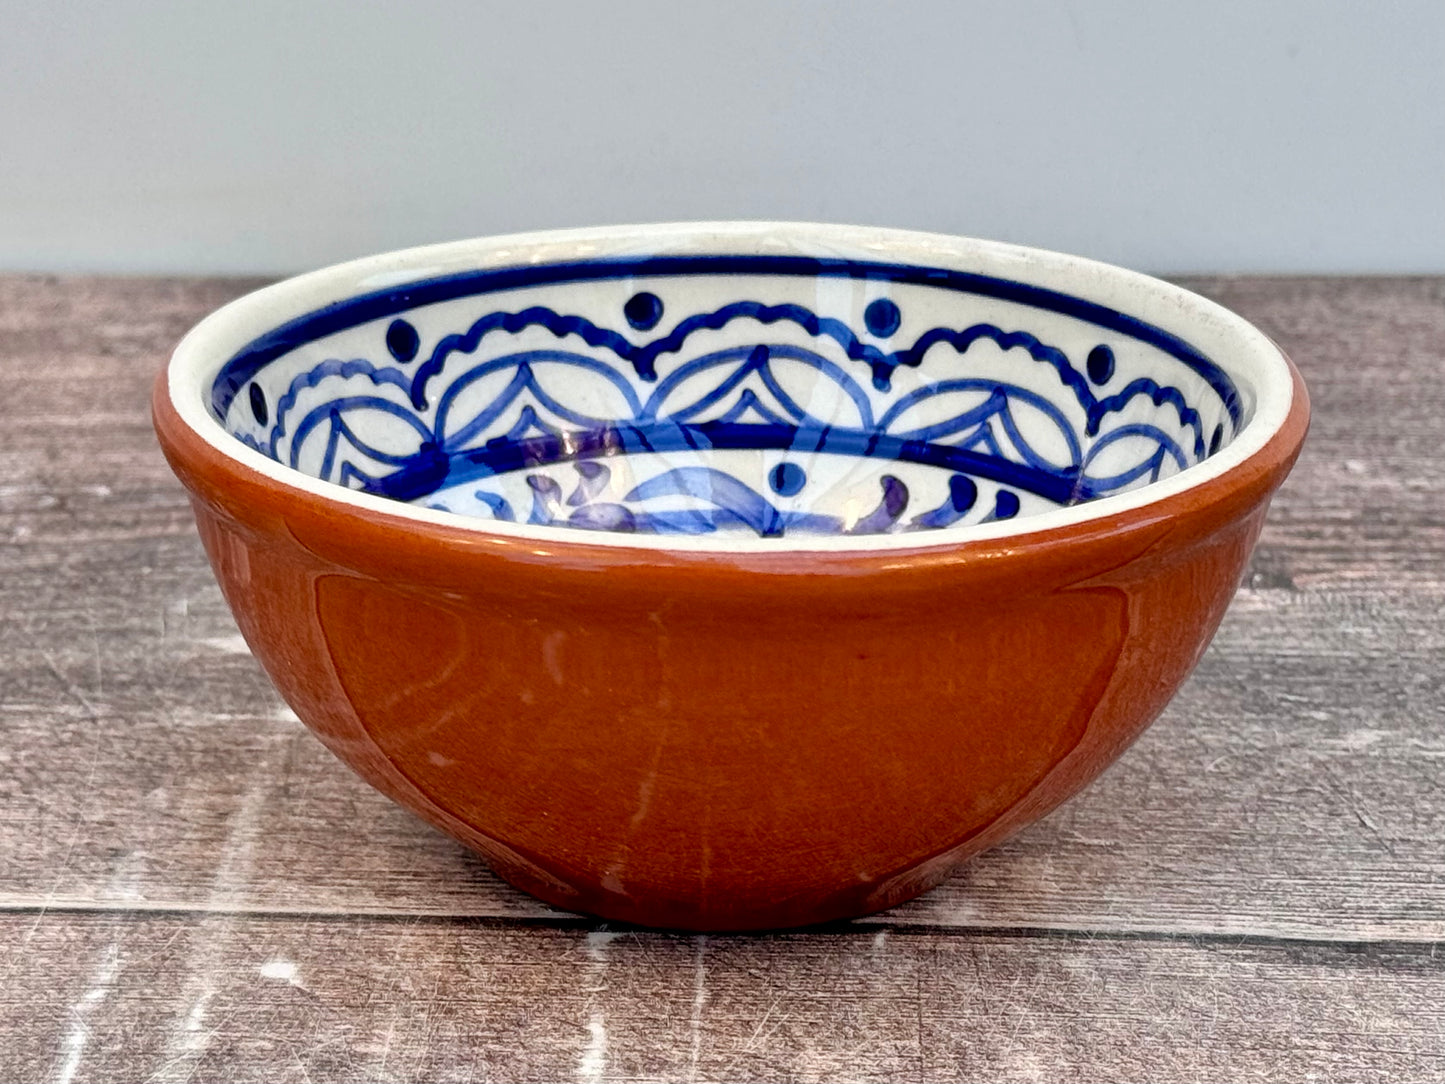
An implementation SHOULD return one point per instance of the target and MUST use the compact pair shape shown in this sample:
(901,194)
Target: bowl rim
(1267,380)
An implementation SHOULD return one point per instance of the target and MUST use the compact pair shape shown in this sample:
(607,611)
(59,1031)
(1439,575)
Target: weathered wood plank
(191,888)
(1293,788)
(1365,507)
(173,998)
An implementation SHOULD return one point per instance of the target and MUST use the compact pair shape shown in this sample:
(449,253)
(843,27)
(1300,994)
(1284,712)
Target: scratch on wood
(100,986)
(189,1040)
(70,687)
(77,822)
(592,1064)
(758,1038)
(594,1054)
(281,970)
(699,1001)
(1356,806)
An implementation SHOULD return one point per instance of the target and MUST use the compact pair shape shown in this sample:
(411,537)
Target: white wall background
(275,135)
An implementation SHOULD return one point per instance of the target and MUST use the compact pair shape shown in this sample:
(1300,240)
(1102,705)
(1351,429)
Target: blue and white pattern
(704,398)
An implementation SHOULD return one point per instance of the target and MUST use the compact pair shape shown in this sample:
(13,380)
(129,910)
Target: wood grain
(182,997)
(1255,891)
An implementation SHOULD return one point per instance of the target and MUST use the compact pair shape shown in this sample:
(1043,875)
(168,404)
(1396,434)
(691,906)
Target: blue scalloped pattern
(432,433)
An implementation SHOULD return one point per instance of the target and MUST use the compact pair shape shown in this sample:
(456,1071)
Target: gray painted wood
(1255,891)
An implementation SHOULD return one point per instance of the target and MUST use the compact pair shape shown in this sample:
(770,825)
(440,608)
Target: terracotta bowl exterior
(714,738)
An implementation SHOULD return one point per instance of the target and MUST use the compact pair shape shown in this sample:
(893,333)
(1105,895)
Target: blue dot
(258,404)
(882,317)
(1005,505)
(1100,364)
(1217,439)
(402,340)
(787,479)
(962,492)
(643,311)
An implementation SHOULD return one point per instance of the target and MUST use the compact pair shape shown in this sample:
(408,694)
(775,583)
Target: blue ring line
(433,469)
(365,308)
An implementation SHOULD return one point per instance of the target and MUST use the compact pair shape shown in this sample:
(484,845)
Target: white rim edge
(1243,351)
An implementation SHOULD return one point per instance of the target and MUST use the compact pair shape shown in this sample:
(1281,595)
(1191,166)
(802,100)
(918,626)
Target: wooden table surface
(191,888)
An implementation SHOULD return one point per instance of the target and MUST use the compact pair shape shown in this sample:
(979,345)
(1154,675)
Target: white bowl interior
(737,382)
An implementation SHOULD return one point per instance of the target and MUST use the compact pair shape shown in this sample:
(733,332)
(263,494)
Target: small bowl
(726,576)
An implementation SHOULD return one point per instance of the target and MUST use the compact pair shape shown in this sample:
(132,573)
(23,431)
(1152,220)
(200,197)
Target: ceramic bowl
(728,576)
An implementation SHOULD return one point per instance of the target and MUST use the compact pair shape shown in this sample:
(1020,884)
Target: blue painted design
(962,496)
(895,500)
(500,507)
(643,311)
(512,323)
(1150,466)
(525,380)
(402,341)
(258,404)
(1000,398)
(597,394)
(757,360)
(1005,505)
(882,317)
(382,303)
(1101,409)
(787,479)
(726,502)
(644,358)
(1100,364)
(593,480)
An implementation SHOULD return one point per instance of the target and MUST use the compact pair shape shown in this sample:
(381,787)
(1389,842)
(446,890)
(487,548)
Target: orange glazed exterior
(714,740)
